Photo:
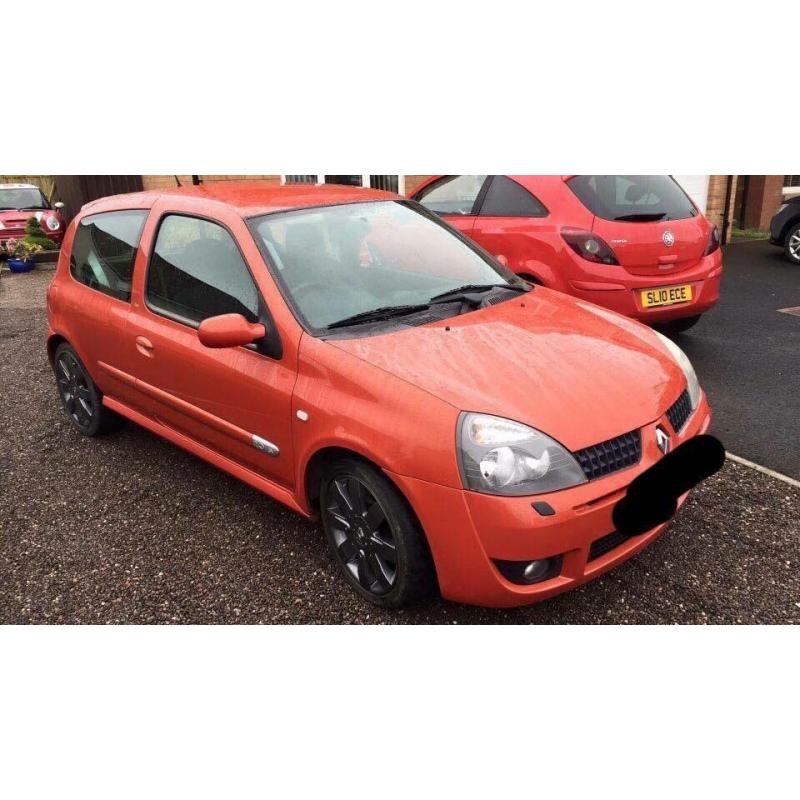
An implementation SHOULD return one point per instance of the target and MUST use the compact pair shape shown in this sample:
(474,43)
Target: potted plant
(21,254)
(20,259)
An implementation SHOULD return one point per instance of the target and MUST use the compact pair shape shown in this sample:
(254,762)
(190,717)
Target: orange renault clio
(351,355)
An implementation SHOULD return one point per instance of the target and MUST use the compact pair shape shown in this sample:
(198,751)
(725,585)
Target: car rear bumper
(468,531)
(622,292)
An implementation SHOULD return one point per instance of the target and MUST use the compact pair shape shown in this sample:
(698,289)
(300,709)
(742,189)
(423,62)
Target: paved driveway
(129,528)
(747,355)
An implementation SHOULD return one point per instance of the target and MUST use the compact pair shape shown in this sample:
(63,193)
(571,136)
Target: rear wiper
(642,216)
(377,314)
(477,288)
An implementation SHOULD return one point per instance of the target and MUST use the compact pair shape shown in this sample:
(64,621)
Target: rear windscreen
(632,198)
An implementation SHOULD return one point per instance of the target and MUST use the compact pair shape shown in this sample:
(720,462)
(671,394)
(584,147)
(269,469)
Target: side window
(506,198)
(196,272)
(104,249)
(455,194)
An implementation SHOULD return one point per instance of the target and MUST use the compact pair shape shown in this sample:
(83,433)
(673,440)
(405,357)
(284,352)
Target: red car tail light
(713,241)
(589,246)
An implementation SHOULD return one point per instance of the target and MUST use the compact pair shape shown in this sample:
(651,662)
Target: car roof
(252,198)
(18,186)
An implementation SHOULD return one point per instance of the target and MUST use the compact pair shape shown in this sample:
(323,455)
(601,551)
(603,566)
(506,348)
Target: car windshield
(633,198)
(22,198)
(340,261)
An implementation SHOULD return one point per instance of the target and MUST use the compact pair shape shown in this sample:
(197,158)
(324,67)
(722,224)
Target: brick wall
(413,181)
(168,181)
(715,206)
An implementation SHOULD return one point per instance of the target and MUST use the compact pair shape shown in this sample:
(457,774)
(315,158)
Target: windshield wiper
(476,288)
(377,315)
(642,216)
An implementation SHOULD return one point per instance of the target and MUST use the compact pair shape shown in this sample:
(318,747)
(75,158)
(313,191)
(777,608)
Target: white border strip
(765,470)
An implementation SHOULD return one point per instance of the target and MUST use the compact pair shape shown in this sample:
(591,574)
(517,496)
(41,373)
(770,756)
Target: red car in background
(635,244)
(21,201)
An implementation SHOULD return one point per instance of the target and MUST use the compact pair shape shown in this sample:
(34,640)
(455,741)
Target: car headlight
(498,456)
(52,223)
(686,366)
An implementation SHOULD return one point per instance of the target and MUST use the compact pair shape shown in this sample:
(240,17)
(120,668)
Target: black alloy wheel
(81,399)
(374,536)
(73,386)
(363,538)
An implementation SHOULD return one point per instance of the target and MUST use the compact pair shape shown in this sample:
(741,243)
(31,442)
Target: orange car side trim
(201,451)
(204,417)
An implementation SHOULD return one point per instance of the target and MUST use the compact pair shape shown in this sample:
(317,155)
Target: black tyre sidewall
(413,567)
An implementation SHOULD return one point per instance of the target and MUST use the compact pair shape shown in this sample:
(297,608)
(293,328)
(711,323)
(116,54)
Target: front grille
(680,411)
(606,544)
(602,459)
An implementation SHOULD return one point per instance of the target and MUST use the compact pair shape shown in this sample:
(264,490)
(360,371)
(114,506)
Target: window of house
(104,250)
(300,178)
(791,180)
(506,198)
(197,272)
(454,194)
(389,183)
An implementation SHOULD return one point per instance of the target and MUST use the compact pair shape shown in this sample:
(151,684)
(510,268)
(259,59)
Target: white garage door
(696,186)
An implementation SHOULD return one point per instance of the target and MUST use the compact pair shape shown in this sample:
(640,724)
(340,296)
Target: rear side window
(506,198)
(197,272)
(453,194)
(104,249)
(633,198)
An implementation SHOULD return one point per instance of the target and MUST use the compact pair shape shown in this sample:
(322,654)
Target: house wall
(764,195)
(168,181)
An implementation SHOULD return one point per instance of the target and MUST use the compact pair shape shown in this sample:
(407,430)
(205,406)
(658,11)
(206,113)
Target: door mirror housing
(59,206)
(229,330)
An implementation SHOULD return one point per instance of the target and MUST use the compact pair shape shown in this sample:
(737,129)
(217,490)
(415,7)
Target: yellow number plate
(666,296)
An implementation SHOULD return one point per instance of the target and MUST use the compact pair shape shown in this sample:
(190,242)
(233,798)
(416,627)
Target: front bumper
(19,233)
(621,291)
(468,531)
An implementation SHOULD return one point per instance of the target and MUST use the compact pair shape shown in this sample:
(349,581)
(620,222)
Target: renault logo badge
(669,238)
(662,440)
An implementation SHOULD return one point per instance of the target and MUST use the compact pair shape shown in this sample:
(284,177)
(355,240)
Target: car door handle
(144,346)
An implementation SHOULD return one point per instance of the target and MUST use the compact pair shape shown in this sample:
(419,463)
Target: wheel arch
(787,228)
(53,341)
(315,467)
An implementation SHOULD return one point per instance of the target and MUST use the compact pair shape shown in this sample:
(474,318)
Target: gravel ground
(131,529)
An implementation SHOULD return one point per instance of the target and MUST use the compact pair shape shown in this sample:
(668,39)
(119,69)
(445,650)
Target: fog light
(535,570)
(529,572)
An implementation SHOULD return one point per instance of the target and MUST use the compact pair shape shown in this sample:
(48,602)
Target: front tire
(82,400)
(374,536)
(792,246)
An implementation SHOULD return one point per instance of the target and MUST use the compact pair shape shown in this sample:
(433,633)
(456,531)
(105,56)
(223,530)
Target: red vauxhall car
(21,201)
(635,244)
